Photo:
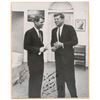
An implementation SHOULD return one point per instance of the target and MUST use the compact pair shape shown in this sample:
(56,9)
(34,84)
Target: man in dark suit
(63,39)
(33,43)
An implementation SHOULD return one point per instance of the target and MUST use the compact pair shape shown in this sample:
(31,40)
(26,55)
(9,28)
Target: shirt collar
(36,29)
(61,27)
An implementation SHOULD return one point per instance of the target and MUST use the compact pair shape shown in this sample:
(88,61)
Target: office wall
(80,12)
(17,31)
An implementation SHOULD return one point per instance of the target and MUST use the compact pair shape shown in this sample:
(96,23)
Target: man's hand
(45,48)
(42,49)
(53,49)
(58,45)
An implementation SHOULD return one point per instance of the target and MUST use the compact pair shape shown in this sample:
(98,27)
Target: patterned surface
(49,85)
(20,78)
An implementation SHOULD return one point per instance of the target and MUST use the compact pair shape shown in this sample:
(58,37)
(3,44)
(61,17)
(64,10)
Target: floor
(20,89)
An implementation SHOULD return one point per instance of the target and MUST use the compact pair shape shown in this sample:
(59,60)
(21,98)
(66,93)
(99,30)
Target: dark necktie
(59,33)
(40,36)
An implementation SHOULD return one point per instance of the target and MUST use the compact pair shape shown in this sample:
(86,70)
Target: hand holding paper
(43,49)
(58,45)
(53,48)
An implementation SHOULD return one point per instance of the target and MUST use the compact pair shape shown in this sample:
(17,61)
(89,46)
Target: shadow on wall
(17,31)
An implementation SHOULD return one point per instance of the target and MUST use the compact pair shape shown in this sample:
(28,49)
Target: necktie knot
(39,31)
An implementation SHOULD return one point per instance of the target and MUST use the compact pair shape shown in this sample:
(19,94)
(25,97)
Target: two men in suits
(33,43)
(63,39)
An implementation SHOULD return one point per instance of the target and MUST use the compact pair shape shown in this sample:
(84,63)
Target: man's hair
(37,18)
(59,14)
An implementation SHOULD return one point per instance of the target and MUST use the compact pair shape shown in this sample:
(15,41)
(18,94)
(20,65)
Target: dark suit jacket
(32,44)
(69,39)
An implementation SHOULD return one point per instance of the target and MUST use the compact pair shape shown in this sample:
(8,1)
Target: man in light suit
(33,43)
(63,39)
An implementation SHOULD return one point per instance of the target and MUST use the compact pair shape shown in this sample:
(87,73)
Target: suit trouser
(64,74)
(35,83)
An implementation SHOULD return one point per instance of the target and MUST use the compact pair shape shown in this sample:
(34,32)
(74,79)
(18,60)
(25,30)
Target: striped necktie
(58,33)
(40,36)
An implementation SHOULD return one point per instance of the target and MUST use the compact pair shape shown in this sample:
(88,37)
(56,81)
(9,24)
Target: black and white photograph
(50,50)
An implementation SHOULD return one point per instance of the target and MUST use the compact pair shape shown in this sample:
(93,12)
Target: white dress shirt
(61,27)
(37,31)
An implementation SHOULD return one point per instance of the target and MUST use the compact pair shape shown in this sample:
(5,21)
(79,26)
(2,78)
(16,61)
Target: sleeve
(27,44)
(73,38)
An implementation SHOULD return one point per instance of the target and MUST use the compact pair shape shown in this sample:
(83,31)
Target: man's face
(39,24)
(58,20)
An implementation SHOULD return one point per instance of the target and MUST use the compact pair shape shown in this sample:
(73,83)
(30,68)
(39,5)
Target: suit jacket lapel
(38,36)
